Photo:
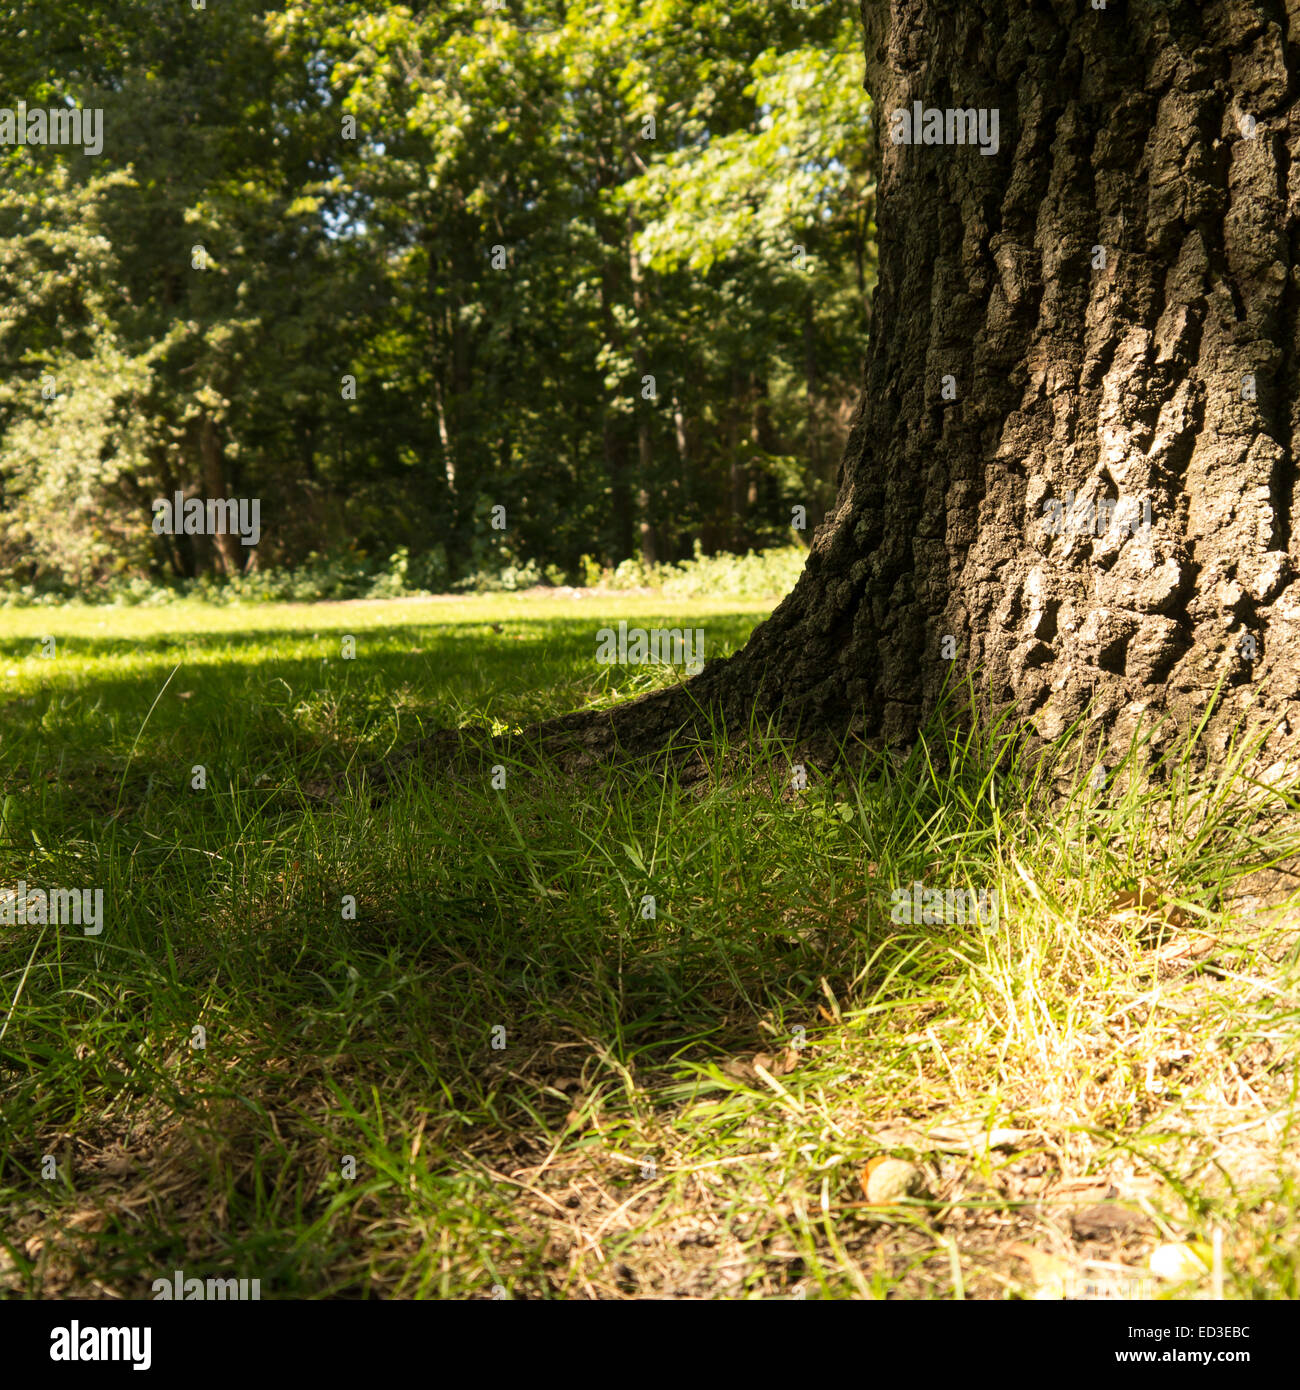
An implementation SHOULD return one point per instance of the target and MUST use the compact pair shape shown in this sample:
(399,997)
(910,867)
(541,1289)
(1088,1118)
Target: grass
(501,1076)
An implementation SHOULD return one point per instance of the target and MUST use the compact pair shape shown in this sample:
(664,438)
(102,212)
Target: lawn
(533,1035)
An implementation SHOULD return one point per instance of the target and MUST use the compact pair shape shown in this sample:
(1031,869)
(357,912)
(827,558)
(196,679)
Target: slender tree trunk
(810,385)
(613,443)
(760,437)
(688,482)
(455,361)
(644,505)
(736,481)
(644,443)
(212,468)
(679,431)
(620,485)
(444,434)
(180,555)
(442,353)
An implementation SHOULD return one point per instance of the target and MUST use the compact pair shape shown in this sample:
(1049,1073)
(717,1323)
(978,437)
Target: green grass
(684,1103)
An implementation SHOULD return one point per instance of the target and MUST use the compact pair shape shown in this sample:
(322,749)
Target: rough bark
(1124,129)
(1121,129)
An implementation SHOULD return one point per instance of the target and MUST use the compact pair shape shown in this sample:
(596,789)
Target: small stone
(894,1181)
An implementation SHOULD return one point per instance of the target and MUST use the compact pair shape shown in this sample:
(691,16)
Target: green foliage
(287,253)
(719,200)
(726,576)
(348,574)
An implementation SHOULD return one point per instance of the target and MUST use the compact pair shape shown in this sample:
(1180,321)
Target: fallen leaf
(747,1068)
(1052,1276)
(1147,901)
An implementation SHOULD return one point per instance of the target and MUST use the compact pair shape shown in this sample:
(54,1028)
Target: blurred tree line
(607,266)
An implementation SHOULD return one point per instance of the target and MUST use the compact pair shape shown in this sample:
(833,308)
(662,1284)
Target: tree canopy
(389,267)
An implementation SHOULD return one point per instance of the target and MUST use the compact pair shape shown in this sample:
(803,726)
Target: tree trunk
(810,385)
(614,447)
(737,473)
(1106,309)
(1112,298)
(683,444)
(760,438)
(644,445)
(613,443)
(212,468)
